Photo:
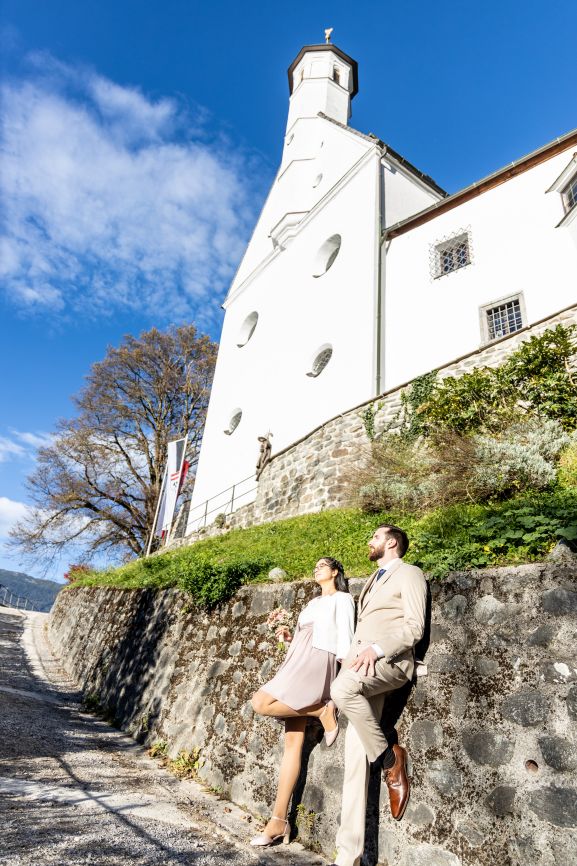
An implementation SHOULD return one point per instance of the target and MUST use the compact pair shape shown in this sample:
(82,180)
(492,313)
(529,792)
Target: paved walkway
(73,790)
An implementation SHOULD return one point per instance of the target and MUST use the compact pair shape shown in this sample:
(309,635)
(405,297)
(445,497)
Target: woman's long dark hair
(341,582)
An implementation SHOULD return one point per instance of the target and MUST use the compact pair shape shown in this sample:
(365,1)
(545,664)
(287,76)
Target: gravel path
(74,790)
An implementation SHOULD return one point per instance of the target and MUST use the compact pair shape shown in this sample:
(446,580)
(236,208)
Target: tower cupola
(322,78)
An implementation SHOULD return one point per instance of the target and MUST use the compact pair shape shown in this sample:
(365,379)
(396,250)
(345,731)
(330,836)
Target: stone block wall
(491,730)
(311,474)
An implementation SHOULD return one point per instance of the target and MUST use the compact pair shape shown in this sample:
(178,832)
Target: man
(391,620)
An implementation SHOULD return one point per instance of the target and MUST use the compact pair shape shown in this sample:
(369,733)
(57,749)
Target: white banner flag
(171,484)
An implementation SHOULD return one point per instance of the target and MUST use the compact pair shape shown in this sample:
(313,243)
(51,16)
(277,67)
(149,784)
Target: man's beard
(376,553)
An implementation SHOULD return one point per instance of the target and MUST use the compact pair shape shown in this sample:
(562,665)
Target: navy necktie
(380,573)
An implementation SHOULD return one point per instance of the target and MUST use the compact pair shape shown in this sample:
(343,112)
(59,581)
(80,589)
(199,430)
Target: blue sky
(140,138)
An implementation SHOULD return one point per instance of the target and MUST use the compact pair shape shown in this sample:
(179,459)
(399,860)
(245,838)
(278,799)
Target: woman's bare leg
(289,772)
(265,705)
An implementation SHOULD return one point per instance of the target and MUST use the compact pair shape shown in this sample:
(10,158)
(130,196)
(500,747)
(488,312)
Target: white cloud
(34,440)
(9,449)
(113,200)
(10,512)
(21,444)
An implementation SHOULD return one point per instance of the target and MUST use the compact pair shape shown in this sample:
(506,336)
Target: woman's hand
(283,634)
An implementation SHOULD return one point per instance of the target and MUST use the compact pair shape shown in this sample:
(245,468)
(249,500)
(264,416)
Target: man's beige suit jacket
(393,616)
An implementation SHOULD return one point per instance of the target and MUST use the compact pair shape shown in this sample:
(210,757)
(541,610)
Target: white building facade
(362,274)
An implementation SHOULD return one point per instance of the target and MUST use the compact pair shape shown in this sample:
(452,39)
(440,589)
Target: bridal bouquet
(278,622)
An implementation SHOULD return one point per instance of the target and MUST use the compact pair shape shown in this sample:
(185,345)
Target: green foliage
(187,764)
(368,417)
(306,822)
(211,582)
(522,458)
(568,466)
(427,473)
(159,749)
(540,371)
(414,400)
(536,378)
(475,536)
(453,537)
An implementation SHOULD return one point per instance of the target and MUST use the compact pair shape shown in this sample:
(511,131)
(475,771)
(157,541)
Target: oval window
(318,179)
(234,421)
(247,329)
(325,258)
(321,359)
(290,139)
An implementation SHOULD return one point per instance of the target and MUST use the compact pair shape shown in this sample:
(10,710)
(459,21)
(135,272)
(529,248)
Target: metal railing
(225,502)
(10,599)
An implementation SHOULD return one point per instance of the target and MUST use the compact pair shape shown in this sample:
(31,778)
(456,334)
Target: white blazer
(333,619)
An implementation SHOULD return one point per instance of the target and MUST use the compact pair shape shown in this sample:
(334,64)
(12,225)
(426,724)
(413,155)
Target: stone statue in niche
(264,454)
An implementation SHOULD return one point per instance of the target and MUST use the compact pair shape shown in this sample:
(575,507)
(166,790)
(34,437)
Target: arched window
(326,255)
(320,361)
(234,422)
(247,329)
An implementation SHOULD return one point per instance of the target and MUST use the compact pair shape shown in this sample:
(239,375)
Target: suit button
(358,641)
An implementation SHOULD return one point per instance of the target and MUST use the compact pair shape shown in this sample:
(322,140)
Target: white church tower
(302,338)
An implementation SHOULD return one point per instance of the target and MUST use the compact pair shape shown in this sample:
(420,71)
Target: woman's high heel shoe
(264,840)
(330,736)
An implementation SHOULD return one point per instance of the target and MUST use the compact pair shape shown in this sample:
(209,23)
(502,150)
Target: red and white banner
(174,474)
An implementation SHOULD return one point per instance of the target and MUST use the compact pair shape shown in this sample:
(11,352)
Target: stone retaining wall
(491,730)
(311,474)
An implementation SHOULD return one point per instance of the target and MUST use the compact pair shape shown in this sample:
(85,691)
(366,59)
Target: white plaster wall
(516,248)
(404,195)
(297,315)
(317,146)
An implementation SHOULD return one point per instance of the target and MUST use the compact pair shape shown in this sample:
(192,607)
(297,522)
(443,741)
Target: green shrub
(568,466)
(210,582)
(523,457)
(476,536)
(427,473)
(537,378)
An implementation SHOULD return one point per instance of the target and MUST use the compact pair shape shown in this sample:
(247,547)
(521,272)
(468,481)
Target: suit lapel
(366,589)
(366,599)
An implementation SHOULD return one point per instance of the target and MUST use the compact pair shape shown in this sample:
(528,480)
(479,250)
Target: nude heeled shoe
(264,840)
(330,736)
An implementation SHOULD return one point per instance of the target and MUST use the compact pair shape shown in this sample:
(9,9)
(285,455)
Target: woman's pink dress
(304,678)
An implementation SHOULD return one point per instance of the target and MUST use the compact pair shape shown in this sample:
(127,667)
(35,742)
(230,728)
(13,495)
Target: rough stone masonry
(491,729)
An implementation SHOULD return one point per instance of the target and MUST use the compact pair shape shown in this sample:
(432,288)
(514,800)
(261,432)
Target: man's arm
(414,599)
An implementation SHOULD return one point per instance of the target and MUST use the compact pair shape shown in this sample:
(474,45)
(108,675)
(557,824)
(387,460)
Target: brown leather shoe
(397,782)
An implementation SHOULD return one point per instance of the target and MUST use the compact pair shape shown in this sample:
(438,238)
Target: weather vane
(328,32)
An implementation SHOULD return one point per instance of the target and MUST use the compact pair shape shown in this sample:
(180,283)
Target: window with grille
(451,254)
(502,319)
(569,194)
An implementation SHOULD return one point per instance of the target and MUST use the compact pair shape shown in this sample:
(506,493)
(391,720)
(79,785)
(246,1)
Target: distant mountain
(40,592)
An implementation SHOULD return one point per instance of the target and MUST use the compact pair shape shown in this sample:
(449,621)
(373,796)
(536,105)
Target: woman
(301,687)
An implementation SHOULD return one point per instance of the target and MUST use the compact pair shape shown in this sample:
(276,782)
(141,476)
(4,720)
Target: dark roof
(480,186)
(325,47)
(388,151)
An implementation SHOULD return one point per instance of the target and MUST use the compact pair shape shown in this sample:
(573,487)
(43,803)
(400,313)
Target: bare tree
(97,484)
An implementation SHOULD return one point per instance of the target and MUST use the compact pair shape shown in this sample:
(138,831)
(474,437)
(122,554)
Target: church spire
(322,78)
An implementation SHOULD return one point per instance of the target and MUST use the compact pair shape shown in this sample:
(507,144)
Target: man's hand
(364,663)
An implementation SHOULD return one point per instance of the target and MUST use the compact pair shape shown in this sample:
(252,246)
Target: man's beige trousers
(361,699)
